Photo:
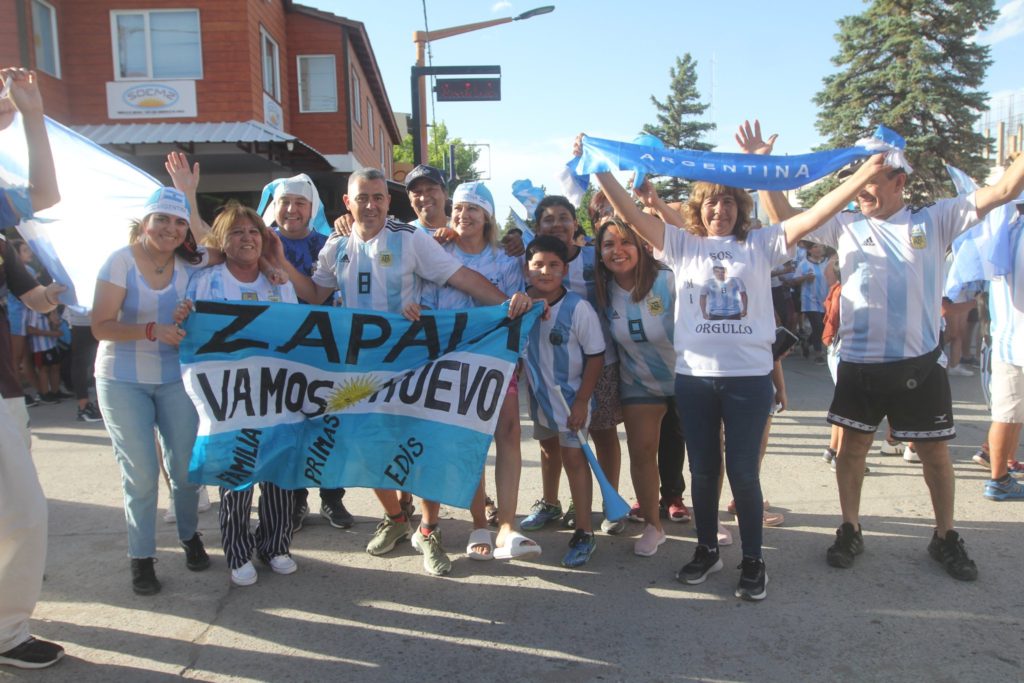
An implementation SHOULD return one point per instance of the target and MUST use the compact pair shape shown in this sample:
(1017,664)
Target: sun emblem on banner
(350,393)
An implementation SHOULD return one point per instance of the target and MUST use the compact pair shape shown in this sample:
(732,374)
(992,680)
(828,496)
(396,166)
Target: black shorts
(42,359)
(924,413)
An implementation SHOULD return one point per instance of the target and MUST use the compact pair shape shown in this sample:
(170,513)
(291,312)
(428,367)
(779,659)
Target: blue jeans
(742,404)
(132,411)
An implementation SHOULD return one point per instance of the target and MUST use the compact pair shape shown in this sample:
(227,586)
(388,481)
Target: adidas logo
(345,258)
(869,242)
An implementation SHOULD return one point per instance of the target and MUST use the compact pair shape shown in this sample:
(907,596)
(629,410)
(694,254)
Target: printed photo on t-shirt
(723,297)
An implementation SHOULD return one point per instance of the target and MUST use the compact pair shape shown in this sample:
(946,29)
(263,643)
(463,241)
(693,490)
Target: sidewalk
(348,616)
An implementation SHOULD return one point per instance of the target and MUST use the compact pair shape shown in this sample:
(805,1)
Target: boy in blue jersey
(564,357)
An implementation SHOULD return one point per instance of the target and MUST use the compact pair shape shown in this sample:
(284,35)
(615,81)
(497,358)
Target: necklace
(159,269)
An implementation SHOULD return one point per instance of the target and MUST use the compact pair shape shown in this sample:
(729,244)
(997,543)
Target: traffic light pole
(418,116)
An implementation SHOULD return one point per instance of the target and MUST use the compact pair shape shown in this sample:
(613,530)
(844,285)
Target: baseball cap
(170,201)
(430,173)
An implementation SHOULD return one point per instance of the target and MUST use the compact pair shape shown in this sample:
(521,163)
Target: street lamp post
(420,39)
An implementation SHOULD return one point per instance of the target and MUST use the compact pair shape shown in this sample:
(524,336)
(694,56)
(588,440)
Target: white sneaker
(244,575)
(959,371)
(169,516)
(204,499)
(283,564)
(910,455)
(612,528)
(891,448)
(724,535)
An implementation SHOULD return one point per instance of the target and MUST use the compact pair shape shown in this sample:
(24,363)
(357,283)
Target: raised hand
(184,178)
(750,139)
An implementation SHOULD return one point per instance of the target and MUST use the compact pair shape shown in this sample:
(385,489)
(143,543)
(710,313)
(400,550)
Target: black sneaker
(90,413)
(48,399)
(335,513)
(299,515)
(950,551)
(848,545)
(62,394)
(144,581)
(705,561)
(31,401)
(32,654)
(753,579)
(196,558)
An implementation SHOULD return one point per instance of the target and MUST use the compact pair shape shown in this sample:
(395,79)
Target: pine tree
(678,125)
(912,66)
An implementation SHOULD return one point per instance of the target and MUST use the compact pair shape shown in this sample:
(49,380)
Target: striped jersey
(736,341)
(1006,301)
(813,292)
(555,353)
(142,361)
(40,321)
(504,272)
(218,284)
(385,272)
(643,332)
(579,278)
(892,273)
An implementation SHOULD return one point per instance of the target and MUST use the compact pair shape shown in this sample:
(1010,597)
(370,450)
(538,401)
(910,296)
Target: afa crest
(655,306)
(385,258)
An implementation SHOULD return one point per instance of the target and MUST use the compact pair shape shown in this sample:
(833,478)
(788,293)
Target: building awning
(220,147)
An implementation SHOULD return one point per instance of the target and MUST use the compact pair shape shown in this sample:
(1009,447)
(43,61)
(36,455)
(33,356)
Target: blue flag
(523,227)
(736,170)
(528,195)
(313,396)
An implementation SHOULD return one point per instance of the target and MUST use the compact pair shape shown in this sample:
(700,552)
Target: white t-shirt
(556,351)
(218,284)
(892,274)
(385,272)
(711,340)
(643,332)
(504,272)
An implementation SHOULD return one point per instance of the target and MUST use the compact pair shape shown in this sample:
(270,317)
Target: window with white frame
(357,100)
(383,161)
(44,28)
(318,83)
(271,65)
(156,44)
(369,120)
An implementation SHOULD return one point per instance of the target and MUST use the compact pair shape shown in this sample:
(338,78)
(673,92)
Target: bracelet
(149,332)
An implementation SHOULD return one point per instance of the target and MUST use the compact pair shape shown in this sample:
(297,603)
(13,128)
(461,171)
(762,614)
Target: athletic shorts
(632,394)
(605,411)
(1007,389)
(924,413)
(43,359)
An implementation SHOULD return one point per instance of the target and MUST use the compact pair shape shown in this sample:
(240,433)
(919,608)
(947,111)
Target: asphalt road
(346,615)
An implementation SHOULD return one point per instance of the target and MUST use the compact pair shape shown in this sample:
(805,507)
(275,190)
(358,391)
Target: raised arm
(186,179)
(751,141)
(657,206)
(1008,188)
(649,227)
(828,206)
(42,176)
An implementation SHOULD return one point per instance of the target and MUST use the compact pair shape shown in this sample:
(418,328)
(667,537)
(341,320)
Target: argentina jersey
(218,284)
(643,333)
(892,273)
(723,298)
(556,351)
(504,272)
(385,272)
(1006,299)
(813,292)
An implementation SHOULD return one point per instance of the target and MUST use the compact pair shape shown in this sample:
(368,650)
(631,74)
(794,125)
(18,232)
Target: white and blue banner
(528,195)
(983,252)
(523,227)
(751,171)
(100,194)
(313,396)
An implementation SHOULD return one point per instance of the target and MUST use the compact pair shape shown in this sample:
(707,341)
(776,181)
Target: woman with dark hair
(724,328)
(637,296)
(138,377)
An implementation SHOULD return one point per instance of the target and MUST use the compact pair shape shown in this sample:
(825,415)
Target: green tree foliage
(913,66)
(678,122)
(465,156)
(581,211)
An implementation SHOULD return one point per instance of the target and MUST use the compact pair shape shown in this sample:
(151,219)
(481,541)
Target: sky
(592,65)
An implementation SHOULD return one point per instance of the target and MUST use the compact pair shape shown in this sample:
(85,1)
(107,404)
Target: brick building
(251,89)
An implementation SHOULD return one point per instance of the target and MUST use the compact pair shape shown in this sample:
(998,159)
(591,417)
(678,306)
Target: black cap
(430,173)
